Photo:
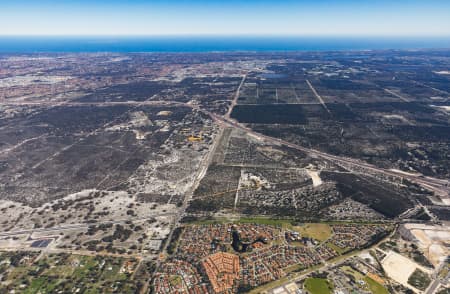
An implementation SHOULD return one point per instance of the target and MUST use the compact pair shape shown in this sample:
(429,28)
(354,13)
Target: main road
(236,97)
(78,226)
(439,186)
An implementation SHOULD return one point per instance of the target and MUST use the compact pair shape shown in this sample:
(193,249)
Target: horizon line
(222,35)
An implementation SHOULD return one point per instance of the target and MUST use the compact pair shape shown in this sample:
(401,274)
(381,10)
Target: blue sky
(231,17)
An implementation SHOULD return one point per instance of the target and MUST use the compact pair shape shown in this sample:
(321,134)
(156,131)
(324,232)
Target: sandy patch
(140,135)
(396,117)
(137,119)
(432,240)
(445,201)
(317,181)
(403,172)
(368,257)
(32,80)
(249,180)
(437,253)
(399,268)
(446,108)
(13,242)
(290,288)
(164,113)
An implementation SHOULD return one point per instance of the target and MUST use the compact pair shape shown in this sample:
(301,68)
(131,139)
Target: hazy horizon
(124,44)
(235,17)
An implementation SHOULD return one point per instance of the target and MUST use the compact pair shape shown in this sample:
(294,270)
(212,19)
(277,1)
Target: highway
(236,97)
(97,104)
(317,96)
(439,186)
(203,167)
(438,281)
(77,226)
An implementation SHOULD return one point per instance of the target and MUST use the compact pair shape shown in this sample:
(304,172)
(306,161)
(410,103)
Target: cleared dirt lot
(400,268)
(433,240)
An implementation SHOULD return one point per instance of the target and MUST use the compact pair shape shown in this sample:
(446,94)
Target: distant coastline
(9,44)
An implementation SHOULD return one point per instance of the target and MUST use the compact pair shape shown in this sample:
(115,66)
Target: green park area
(318,286)
(318,231)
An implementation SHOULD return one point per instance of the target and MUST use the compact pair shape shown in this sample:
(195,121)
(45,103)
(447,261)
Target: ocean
(212,44)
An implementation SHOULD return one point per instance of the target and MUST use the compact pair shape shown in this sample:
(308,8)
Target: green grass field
(337,248)
(375,287)
(316,231)
(318,286)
